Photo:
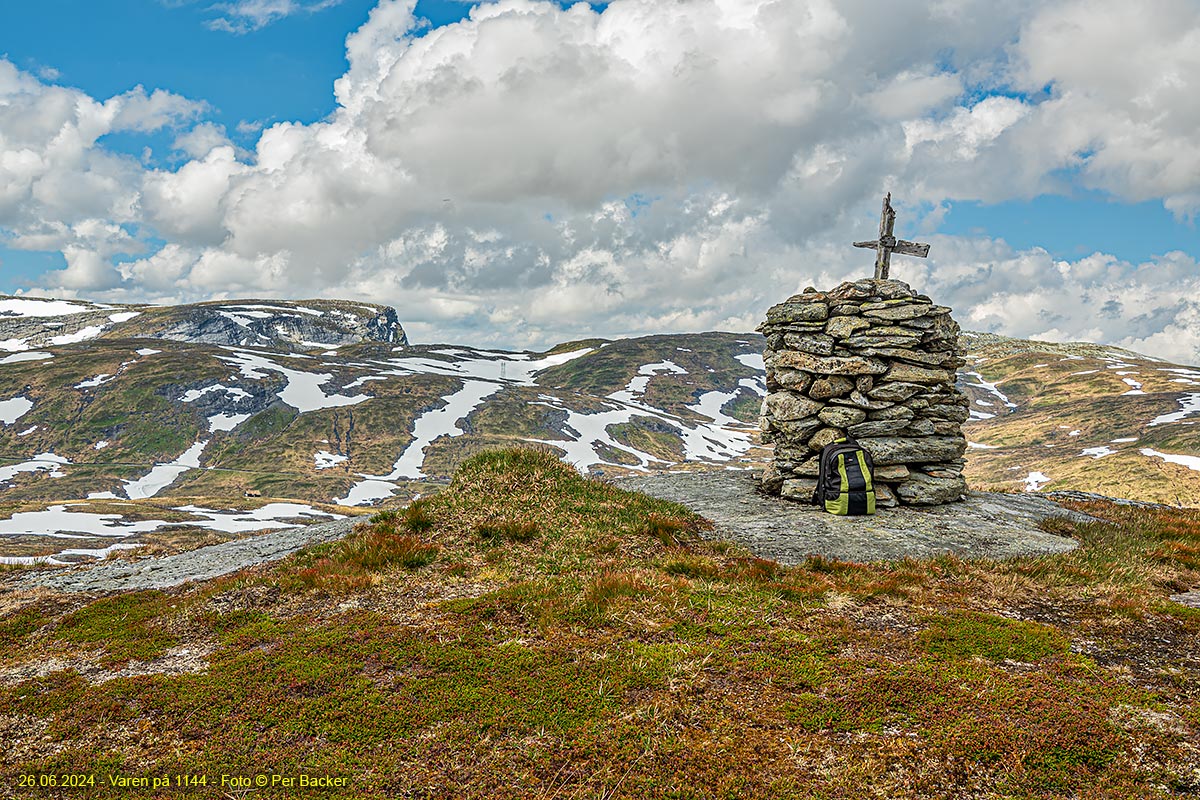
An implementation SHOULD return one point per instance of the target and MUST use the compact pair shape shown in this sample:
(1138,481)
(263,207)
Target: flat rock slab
(985,525)
(1191,598)
(194,565)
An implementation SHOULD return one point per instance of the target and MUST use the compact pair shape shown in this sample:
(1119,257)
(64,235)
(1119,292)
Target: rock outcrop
(874,361)
(297,326)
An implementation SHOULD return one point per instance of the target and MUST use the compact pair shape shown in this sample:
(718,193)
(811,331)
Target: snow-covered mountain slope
(130,414)
(300,326)
(1081,417)
(243,400)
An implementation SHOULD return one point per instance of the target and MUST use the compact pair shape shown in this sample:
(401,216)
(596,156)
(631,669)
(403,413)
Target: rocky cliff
(294,326)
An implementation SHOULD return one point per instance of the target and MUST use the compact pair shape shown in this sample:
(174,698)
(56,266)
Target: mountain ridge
(126,416)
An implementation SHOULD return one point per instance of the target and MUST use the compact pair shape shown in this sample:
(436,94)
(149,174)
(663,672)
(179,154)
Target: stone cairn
(873,360)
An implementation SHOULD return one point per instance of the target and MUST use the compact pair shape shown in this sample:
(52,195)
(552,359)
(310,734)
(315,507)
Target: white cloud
(201,140)
(60,189)
(532,174)
(245,16)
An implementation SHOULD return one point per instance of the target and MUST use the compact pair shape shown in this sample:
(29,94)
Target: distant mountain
(1083,417)
(324,401)
(295,326)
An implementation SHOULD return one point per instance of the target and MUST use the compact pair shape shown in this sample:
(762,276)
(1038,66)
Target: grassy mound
(531,633)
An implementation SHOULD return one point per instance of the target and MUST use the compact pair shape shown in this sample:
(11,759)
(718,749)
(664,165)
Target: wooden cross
(887,244)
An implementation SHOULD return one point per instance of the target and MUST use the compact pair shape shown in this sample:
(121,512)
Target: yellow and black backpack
(845,484)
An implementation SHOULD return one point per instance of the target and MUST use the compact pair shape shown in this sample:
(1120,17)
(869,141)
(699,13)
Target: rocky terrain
(983,525)
(114,437)
(298,326)
(876,362)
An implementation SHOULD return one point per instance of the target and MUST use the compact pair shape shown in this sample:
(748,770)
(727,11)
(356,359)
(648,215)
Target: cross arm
(904,248)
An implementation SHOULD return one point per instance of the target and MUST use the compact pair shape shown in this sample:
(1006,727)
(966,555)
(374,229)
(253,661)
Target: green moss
(123,624)
(16,627)
(967,634)
(623,641)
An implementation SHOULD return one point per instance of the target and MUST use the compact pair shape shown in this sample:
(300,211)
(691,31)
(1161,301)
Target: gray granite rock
(881,370)
(925,490)
(924,450)
(829,386)
(841,416)
(984,525)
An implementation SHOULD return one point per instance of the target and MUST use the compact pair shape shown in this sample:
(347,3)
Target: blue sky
(1077,225)
(764,133)
(281,72)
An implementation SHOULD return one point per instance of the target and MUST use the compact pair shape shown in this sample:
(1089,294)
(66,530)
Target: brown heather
(618,654)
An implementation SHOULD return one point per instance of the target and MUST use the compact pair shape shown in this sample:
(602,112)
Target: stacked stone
(873,360)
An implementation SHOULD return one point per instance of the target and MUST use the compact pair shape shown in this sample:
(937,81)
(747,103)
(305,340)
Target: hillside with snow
(125,425)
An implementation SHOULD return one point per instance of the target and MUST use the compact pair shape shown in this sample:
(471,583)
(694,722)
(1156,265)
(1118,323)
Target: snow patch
(303,391)
(360,381)
(32,355)
(325,459)
(42,462)
(1191,462)
(1034,481)
(312,312)
(99,554)
(99,380)
(637,386)
(27,307)
(429,426)
(226,422)
(509,367)
(259,519)
(14,345)
(990,388)
(752,360)
(58,522)
(1135,387)
(192,395)
(12,410)
(1188,403)
(123,316)
(1097,452)
(81,335)
(163,475)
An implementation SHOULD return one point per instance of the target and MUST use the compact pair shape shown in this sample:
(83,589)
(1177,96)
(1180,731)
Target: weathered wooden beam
(887,243)
(883,252)
(917,249)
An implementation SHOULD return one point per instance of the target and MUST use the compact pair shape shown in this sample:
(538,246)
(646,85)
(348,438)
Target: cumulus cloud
(535,173)
(201,140)
(59,188)
(1149,306)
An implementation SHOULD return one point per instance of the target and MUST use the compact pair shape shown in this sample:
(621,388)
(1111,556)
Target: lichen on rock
(874,360)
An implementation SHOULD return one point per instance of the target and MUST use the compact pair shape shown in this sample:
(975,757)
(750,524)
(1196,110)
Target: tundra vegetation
(527,632)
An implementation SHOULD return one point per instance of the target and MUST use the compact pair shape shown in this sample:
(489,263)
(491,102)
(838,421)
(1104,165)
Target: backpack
(845,483)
